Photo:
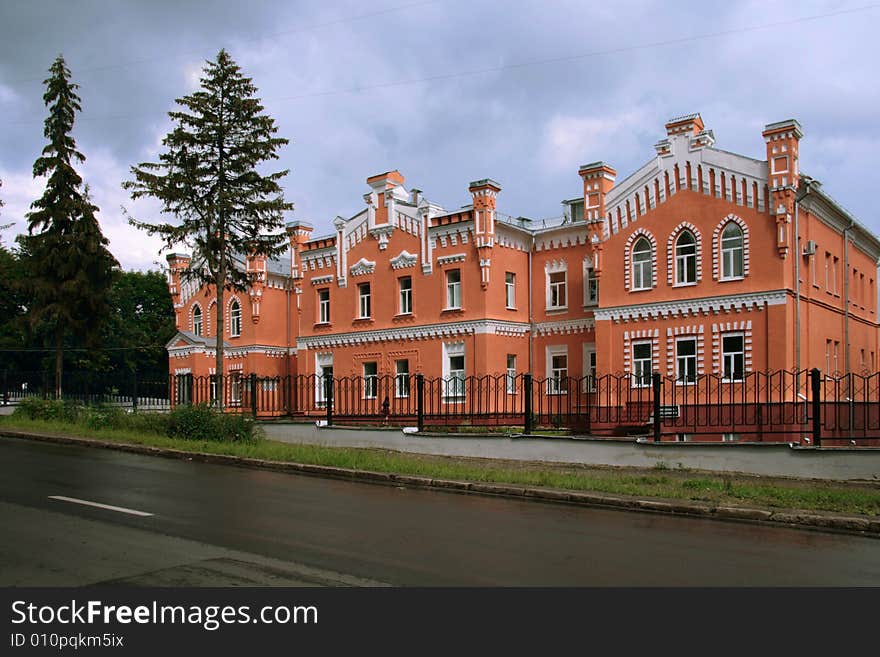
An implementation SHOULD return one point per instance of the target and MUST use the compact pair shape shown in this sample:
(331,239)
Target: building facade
(701,263)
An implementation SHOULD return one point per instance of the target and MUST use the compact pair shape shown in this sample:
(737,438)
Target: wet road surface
(221,525)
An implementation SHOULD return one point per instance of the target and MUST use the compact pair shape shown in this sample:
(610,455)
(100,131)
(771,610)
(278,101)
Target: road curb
(860,525)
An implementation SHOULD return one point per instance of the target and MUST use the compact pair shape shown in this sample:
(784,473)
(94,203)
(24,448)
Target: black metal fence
(782,406)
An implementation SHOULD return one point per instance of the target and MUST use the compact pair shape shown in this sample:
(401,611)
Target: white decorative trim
(321,280)
(670,251)
(564,327)
(363,267)
(424,332)
(629,337)
(718,330)
(627,256)
(692,307)
(404,259)
(716,245)
(693,331)
(230,352)
(448,259)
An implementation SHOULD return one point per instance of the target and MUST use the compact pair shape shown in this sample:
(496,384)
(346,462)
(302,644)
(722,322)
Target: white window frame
(401,378)
(405,295)
(680,359)
(684,259)
(322,363)
(235,319)
(725,355)
(454,389)
(197,320)
(510,377)
(641,378)
(557,291)
(364,300)
(728,253)
(642,274)
(234,388)
(453,289)
(591,285)
(589,369)
(510,290)
(557,377)
(371,380)
(324,306)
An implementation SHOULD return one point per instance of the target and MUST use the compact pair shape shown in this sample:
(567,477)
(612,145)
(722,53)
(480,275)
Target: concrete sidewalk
(778,460)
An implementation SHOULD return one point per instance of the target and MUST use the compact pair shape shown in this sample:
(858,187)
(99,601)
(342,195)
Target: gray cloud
(526,126)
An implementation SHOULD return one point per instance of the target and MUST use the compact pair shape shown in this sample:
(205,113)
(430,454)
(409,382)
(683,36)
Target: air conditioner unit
(810,248)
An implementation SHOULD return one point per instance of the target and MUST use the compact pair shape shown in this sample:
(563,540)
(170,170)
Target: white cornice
(424,332)
(363,267)
(320,280)
(454,257)
(231,352)
(404,259)
(692,307)
(564,327)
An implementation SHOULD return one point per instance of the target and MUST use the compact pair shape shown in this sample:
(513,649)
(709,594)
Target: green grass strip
(718,489)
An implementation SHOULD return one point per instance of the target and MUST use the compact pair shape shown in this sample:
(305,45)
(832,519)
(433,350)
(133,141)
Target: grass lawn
(719,489)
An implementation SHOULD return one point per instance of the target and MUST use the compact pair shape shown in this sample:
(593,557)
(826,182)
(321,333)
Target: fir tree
(207,180)
(69,268)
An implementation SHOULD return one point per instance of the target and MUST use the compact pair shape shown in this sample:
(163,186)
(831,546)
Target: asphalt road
(220,525)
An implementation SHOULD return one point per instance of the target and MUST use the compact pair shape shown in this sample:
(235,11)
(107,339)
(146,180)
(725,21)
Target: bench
(666,413)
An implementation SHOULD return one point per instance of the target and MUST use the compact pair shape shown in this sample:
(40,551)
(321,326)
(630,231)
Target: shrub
(201,422)
(34,408)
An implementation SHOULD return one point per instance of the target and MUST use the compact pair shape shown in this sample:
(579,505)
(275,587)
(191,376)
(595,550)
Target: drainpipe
(849,391)
(797,275)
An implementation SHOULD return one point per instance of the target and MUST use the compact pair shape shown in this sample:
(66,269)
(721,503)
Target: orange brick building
(708,263)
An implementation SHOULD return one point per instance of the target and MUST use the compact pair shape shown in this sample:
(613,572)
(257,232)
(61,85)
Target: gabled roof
(193,340)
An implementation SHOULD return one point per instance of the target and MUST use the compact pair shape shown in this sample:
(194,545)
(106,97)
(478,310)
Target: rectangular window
(828,271)
(836,358)
(863,364)
(453,289)
(324,306)
(364,300)
(589,367)
(405,289)
(401,378)
(591,288)
(733,356)
(455,380)
(813,271)
(558,374)
(558,297)
(235,388)
(828,369)
(642,366)
(834,266)
(323,377)
(370,380)
(511,374)
(686,360)
(510,289)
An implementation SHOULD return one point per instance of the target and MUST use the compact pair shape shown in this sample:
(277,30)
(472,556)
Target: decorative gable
(363,267)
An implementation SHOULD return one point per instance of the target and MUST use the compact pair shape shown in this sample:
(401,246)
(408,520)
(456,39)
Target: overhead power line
(527,64)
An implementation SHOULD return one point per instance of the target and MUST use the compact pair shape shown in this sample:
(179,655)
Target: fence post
(328,398)
(5,387)
(134,392)
(655,386)
(420,400)
(816,391)
(527,391)
(254,393)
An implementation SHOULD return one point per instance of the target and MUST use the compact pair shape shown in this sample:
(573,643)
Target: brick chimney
(598,180)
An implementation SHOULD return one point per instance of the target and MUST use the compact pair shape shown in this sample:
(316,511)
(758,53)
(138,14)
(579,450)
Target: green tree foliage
(207,179)
(141,323)
(68,267)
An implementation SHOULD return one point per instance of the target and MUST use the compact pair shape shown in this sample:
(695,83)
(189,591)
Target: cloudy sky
(446,91)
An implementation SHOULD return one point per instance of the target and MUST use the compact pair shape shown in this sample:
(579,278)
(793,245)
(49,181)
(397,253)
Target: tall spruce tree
(69,268)
(207,179)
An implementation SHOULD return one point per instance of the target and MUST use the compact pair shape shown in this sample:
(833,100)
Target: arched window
(731,252)
(686,258)
(642,273)
(197,320)
(234,319)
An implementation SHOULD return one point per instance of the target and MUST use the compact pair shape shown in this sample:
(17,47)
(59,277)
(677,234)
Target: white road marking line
(100,506)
